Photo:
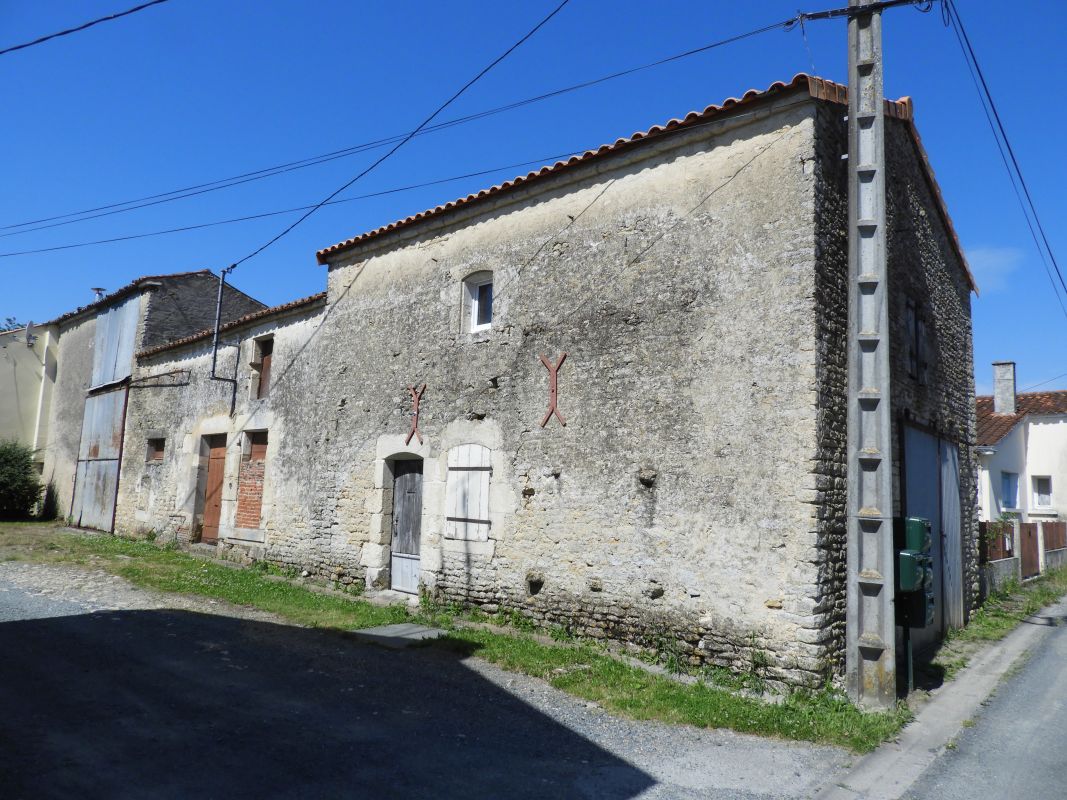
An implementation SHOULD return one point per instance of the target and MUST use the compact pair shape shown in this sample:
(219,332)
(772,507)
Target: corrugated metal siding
(116,330)
(102,426)
(98,460)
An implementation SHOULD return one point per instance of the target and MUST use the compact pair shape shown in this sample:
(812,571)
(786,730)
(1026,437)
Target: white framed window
(467,493)
(1009,490)
(478,301)
(1042,491)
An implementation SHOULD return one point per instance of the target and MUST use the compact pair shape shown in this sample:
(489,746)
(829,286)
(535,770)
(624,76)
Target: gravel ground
(58,590)
(99,672)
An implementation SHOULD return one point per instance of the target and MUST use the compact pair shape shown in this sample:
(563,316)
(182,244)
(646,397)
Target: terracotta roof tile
(818,88)
(993,427)
(255,316)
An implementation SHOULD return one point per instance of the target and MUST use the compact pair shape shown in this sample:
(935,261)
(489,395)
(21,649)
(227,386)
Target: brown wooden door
(1031,559)
(216,471)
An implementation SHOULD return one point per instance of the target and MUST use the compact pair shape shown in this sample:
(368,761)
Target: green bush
(20,486)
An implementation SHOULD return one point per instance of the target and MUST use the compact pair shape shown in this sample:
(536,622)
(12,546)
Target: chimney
(99,292)
(1003,387)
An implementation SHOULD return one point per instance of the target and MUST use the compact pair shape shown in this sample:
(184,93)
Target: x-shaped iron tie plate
(416,398)
(553,390)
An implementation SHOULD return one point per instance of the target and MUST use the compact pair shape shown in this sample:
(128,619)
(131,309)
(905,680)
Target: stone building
(94,359)
(610,394)
(202,464)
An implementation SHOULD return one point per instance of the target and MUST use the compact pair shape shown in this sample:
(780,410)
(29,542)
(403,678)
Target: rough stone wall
(678,506)
(172,397)
(831,303)
(922,267)
(185,305)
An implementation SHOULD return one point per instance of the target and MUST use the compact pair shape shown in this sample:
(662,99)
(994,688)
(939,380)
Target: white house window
(1009,490)
(467,493)
(1042,491)
(478,297)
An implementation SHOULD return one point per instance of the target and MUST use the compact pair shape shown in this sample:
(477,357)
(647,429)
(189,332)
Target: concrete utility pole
(870,657)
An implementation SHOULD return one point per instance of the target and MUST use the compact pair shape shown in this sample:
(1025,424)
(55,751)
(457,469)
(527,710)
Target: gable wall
(678,502)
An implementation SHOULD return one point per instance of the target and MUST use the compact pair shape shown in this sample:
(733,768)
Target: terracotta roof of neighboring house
(130,288)
(255,316)
(993,427)
(818,88)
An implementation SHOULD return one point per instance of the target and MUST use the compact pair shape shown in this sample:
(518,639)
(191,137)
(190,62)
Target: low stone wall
(995,574)
(783,661)
(1054,559)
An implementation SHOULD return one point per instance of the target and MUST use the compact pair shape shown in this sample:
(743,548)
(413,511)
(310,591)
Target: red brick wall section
(250,488)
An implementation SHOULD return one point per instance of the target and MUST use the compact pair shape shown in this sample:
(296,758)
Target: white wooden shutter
(467,493)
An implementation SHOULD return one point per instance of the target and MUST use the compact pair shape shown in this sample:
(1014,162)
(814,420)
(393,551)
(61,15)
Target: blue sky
(192,91)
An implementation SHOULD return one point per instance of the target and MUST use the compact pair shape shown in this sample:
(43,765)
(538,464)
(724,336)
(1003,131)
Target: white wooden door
(407,525)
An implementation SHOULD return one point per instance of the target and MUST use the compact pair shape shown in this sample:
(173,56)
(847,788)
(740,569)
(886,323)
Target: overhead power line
(120,207)
(310,161)
(1043,383)
(404,141)
(1007,154)
(82,27)
(265,214)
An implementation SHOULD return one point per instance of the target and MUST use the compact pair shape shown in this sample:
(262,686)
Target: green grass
(168,570)
(1002,612)
(823,716)
(1005,609)
(581,669)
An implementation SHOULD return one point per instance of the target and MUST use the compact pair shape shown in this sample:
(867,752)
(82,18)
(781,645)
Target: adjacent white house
(1022,451)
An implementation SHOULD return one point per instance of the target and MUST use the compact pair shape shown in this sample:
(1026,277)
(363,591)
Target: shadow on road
(171,704)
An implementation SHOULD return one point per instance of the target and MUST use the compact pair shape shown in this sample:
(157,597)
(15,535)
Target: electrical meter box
(914,572)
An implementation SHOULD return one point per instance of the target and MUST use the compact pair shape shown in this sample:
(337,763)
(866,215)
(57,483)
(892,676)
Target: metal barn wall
(98,460)
(116,332)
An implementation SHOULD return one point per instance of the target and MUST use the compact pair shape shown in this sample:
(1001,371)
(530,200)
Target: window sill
(1044,512)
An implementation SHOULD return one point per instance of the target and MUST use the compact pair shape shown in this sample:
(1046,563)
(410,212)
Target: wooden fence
(996,540)
(1055,535)
(1028,550)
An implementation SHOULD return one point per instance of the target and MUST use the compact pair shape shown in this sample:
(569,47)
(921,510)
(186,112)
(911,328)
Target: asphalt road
(1016,747)
(162,703)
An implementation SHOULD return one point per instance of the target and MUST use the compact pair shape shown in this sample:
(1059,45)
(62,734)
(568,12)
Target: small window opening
(155,449)
(483,305)
(479,301)
(1009,490)
(255,446)
(264,352)
(1043,491)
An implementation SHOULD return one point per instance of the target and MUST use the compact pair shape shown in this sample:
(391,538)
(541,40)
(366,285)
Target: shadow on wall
(171,704)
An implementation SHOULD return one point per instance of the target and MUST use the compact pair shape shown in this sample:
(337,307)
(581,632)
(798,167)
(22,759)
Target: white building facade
(1022,451)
